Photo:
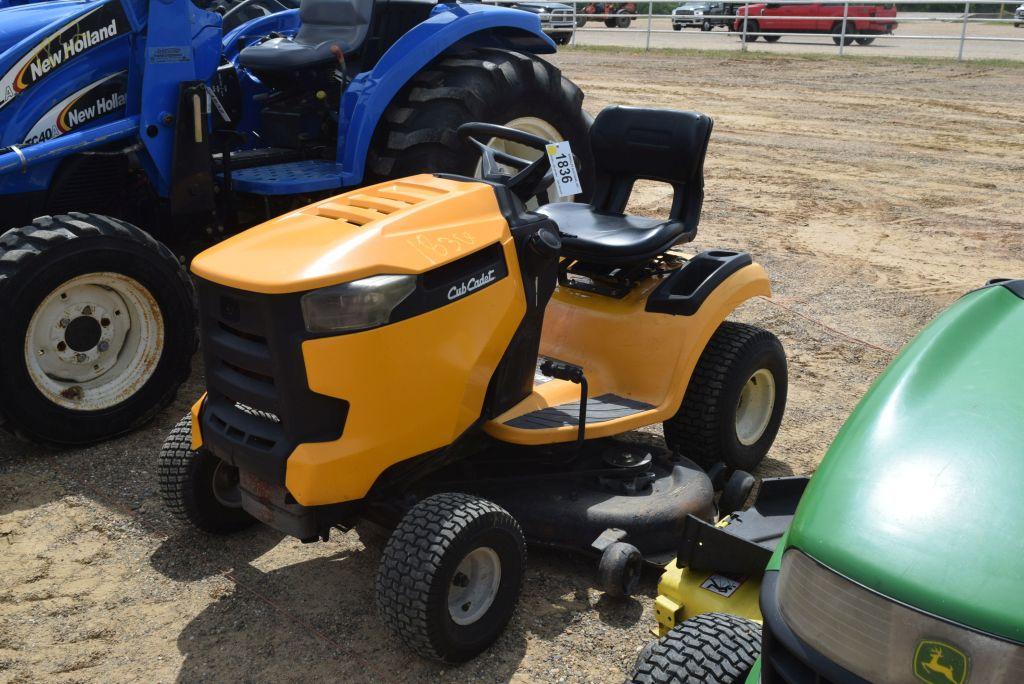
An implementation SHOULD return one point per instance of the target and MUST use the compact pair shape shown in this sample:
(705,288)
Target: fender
(371,92)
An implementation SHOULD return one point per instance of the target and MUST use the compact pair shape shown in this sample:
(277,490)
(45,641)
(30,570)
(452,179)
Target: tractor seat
(325,23)
(628,144)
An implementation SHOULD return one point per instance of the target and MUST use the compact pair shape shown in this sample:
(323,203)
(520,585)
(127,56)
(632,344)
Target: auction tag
(567,180)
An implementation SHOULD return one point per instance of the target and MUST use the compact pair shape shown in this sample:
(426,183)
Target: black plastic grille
(259,406)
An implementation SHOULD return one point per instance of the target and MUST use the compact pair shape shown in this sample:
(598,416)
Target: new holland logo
(937,662)
(471,285)
(80,35)
(106,96)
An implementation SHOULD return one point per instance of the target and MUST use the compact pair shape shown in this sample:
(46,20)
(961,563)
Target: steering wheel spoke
(530,179)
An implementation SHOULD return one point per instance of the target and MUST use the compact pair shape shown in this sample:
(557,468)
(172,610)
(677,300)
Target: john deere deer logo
(939,663)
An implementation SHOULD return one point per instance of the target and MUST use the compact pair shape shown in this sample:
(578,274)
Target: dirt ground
(874,192)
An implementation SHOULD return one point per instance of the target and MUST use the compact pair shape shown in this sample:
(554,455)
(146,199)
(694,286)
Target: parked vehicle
(893,569)
(1018,17)
(703,15)
(130,125)
(555,18)
(623,11)
(863,22)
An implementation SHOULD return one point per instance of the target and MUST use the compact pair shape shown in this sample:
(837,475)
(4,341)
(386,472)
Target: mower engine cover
(381,313)
(905,559)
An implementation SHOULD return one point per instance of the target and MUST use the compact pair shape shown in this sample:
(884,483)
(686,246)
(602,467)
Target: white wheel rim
(94,341)
(474,586)
(754,408)
(534,126)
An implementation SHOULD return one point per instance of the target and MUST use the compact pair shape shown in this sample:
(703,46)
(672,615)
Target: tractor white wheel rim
(94,341)
(754,408)
(474,586)
(534,126)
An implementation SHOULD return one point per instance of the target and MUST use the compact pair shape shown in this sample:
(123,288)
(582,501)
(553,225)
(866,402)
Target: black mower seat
(325,23)
(631,143)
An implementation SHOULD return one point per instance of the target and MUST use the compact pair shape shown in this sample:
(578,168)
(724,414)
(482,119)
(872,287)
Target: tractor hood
(405,226)
(17,23)
(919,496)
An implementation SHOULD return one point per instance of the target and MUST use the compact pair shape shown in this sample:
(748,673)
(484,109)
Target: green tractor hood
(920,496)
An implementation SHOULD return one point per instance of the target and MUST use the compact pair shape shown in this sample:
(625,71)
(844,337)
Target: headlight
(881,640)
(358,305)
(544,16)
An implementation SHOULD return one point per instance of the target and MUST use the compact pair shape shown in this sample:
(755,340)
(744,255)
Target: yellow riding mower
(429,355)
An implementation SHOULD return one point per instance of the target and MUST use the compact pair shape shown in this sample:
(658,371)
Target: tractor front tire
(197,487)
(417,133)
(451,575)
(711,648)
(733,406)
(99,328)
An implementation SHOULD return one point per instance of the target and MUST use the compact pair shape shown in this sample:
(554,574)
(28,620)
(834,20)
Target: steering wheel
(532,178)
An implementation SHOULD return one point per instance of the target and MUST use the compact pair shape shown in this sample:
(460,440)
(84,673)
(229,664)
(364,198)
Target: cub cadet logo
(105,96)
(936,662)
(471,285)
(69,41)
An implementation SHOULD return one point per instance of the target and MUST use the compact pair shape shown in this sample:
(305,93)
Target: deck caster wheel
(197,487)
(736,492)
(450,576)
(620,569)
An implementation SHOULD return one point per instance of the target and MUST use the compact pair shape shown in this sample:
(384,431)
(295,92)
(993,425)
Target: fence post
(650,16)
(842,31)
(743,38)
(575,25)
(963,32)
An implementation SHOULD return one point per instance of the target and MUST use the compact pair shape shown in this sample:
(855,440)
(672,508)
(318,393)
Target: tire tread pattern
(711,648)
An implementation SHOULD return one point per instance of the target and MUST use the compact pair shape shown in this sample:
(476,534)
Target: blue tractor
(133,132)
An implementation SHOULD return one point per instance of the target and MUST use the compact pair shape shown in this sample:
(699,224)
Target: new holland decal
(106,22)
(106,96)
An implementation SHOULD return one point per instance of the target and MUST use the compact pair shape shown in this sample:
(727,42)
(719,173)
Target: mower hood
(918,496)
(404,226)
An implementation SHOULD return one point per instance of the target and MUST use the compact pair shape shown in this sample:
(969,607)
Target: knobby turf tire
(36,259)
(421,558)
(703,429)
(417,131)
(185,479)
(711,648)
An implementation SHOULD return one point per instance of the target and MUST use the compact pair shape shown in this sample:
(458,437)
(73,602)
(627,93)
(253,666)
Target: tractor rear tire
(417,131)
(99,328)
(711,648)
(713,424)
(197,487)
(451,575)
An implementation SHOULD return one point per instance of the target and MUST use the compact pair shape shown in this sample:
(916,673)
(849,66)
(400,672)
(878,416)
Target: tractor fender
(371,92)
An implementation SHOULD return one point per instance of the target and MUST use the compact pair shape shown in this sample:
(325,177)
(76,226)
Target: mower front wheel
(620,568)
(734,403)
(451,575)
(197,487)
(711,648)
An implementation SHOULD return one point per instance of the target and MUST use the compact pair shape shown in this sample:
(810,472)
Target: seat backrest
(334,20)
(665,145)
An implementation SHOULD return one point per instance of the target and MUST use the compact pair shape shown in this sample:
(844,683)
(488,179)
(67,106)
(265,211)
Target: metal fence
(861,22)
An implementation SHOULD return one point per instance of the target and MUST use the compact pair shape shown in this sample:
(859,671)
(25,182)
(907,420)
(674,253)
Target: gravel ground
(875,193)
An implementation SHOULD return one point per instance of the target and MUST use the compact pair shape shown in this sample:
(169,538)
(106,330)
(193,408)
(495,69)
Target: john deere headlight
(361,304)
(881,640)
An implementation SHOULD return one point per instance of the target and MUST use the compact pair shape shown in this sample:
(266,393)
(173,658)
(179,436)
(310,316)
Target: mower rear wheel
(98,328)
(197,487)
(417,131)
(734,403)
(450,576)
(711,648)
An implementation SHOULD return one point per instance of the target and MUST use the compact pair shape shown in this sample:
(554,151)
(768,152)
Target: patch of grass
(761,56)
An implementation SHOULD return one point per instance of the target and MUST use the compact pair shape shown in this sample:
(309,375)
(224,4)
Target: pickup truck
(1018,17)
(703,14)
(863,21)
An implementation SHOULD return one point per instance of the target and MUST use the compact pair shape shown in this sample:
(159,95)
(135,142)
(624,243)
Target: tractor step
(264,156)
(599,409)
(291,178)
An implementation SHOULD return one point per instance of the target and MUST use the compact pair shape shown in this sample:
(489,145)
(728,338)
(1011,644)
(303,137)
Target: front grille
(259,406)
